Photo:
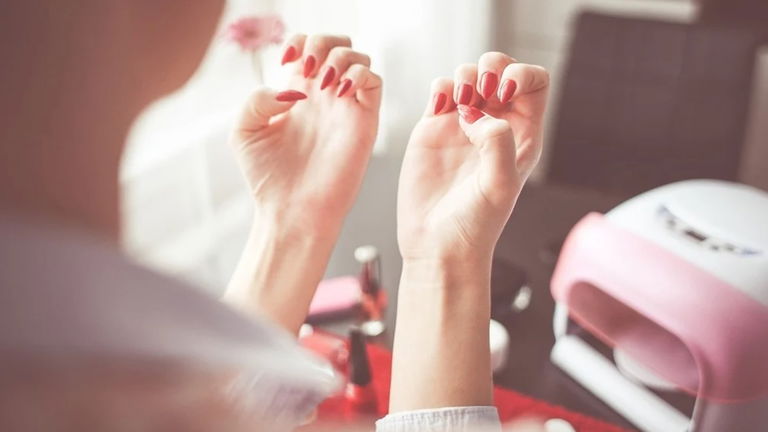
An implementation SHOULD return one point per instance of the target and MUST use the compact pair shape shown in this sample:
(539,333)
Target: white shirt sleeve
(457,419)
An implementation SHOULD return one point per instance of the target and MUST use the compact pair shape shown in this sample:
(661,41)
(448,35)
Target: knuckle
(364,58)
(297,37)
(320,42)
(544,75)
(535,77)
(312,42)
(440,82)
(466,68)
(513,68)
(356,69)
(495,128)
(338,53)
(493,56)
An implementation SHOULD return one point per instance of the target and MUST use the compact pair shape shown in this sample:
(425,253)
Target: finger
(316,49)
(364,85)
(293,48)
(465,79)
(440,97)
(496,145)
(264,104)
(521,80)
(529,100)
(339,60)
(489,68)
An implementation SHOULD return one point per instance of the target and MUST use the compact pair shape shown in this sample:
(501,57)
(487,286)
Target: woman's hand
(462,173)
(304,152)
(461,176)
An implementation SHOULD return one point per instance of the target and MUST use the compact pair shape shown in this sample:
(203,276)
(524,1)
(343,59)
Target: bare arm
(441,342)
(278,272)
(304,154)
(461,176)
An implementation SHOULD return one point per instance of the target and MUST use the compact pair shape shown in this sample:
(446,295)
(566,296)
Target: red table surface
(511,405)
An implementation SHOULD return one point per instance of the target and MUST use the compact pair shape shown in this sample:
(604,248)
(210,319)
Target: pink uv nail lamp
(675,281)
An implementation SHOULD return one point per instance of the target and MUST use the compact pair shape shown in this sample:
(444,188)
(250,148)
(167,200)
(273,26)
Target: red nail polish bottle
(360,393)
(373,296)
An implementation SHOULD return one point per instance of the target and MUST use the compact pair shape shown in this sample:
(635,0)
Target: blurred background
(644,92)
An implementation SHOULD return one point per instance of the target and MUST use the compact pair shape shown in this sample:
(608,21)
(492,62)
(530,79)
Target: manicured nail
(465,94)
(470,114)
(488,83)
(289,55)
(439,100)
(309,65)
(345,85)
(330,74)
(507,91)
(290,96)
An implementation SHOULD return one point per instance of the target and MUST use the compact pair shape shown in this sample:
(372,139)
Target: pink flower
(255,32)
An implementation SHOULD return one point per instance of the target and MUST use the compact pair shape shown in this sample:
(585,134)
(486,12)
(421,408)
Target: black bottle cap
(359,366)
(370,273)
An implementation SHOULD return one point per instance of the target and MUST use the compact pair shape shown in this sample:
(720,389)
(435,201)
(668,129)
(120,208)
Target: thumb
(496,145)
(264,104)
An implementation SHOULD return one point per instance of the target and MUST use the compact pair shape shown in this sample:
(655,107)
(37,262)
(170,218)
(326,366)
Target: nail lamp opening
(676,281)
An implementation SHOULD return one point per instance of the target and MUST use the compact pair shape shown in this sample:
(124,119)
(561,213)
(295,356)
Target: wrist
(443,309)
(454,273)
(283,224)
(279,270)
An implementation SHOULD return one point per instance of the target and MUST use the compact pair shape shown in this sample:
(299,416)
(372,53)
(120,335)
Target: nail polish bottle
(360,393)
(373,296)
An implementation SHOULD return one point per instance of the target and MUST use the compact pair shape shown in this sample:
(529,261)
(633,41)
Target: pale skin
(304,161)
(458,186)
(460,179)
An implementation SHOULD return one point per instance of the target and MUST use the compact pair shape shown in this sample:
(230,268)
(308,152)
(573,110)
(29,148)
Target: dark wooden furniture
(647,102)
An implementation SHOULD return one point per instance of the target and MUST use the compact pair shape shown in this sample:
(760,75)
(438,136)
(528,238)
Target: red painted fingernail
(465,94)
(290,96)
(440,100)
(330,74)
(309,65)
(488,83)
(507,91)
(289,55)
(345,85)
(470,114)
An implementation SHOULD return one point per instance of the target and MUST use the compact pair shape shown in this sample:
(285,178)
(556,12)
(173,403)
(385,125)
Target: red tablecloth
(511,405)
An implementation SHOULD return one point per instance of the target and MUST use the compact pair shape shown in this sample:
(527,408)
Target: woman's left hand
(304,152)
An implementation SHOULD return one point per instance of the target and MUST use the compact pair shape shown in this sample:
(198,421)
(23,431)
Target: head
(75,75)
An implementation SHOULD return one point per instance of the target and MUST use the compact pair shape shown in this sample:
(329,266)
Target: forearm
(441,349)
(279,271)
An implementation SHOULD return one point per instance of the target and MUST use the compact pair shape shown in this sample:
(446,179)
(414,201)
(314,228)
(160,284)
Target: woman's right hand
(463,172)
(460,178)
